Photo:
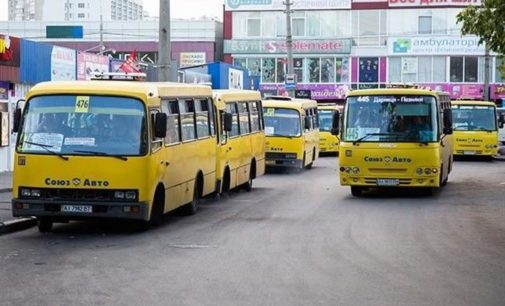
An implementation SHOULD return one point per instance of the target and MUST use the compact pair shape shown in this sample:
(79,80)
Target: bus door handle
(229,149)
(166,163)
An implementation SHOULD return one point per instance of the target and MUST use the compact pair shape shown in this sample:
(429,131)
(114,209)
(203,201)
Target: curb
(5,190)
(17,225)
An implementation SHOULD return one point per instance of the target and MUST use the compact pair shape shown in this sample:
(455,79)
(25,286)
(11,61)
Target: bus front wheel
(356,191)
(45,224)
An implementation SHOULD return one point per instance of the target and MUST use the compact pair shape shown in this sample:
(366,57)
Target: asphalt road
(297,239)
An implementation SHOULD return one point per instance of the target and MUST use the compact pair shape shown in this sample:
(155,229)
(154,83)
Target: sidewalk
(7,222)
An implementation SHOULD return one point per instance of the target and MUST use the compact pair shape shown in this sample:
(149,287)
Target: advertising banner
(9,50)
(435,45)
(63,62)
(333,46)
(317,91)
(459,91)
(189,59)
(235,79)
(278,5)
(497,91)
(88,65)
(434,3)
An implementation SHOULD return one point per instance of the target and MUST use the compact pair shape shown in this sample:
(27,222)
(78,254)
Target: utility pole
(102,46)
(289,41)
(486,73)
(164,47)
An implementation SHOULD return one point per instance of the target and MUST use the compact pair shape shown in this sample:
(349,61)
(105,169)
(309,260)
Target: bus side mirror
(228,122)
(17,116)
(160,125)
(307,123)
(501,121)
(447,121)
(335,124)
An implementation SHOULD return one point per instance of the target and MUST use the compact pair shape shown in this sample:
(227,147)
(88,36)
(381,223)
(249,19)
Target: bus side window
(244,118)
(212,117)
(314,118)
(187,109)
(255,119)
(171,108)
(231,108)
(202,118)
(259,106)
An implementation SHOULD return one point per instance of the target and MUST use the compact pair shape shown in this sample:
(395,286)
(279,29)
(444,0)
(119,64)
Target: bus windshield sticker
(80,141)
(53,141)
(269,130)
(82,104)
(270,111)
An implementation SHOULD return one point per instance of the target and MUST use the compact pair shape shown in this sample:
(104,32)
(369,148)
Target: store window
(254,66)
(471,68)
(499,78)
(313,69)
(281,64)
(439,68)
(327,70)
(341,70)
(425,25)
(464,69)
(409,69)
(422,69)
(268,70)
(368,69)
(456,70)
(298,69)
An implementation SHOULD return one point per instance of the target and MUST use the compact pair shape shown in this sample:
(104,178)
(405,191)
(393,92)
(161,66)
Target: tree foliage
(487,22)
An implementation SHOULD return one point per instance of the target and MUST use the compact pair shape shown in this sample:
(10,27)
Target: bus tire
(157,212)
(191,208)
(443,181)
(225,186)
(252,175)
(45,224)
(356,191)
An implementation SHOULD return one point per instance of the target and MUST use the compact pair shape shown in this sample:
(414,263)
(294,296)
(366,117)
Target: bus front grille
(77,194)
(387,170)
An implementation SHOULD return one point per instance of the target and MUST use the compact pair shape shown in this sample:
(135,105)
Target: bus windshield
(391,118)
(282,122)
(83,125)
(325,120)
(473,118)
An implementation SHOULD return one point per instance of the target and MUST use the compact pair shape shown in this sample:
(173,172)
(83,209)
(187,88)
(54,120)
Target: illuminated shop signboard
(435,45)
(333,46)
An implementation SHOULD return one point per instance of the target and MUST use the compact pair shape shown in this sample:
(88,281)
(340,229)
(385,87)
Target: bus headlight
(31,193)
(427,171)
(419,171)
(489,146)
(355,170)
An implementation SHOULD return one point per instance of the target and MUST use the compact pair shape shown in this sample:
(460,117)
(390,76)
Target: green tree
(488,23)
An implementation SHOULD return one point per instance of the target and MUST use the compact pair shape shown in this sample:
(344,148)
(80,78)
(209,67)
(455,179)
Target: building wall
(390,41)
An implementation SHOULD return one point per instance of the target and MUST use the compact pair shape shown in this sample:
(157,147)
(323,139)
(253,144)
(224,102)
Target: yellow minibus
(114,149)
(241,150)
(475,128)
(395,137)
(292,132)
(328,143)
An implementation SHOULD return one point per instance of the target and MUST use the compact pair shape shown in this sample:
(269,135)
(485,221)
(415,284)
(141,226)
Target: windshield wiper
(46,147)
(121,157)
(375,134)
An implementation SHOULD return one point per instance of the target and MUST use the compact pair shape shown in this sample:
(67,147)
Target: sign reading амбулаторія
(435,45)
(278,5)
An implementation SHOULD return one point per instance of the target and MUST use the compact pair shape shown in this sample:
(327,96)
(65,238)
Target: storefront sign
(278,5)
(9,50)
(497,91)
(434,3)
(333,46)
(459,91)
(189,59)
(317,91)
(4,90)
(436,45)
(303,94)
(88,65)
(62,64)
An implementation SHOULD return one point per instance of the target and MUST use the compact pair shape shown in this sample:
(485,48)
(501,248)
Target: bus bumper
(80,210)
(287,163)
(378,182)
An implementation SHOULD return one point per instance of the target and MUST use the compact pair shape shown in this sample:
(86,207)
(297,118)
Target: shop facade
(353,44)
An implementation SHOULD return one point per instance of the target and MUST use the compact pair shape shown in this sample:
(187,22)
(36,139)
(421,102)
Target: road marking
(191,246)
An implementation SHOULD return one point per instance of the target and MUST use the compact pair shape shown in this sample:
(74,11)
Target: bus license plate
(77,208)
(469,152)
(388,182)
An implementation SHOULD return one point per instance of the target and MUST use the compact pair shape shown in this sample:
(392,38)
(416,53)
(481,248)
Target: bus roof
(394,91)
(472,102)
(293,103)
(329,106)
(141,90)
(236,95)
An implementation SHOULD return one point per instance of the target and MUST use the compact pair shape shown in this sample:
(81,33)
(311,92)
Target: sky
(179,8)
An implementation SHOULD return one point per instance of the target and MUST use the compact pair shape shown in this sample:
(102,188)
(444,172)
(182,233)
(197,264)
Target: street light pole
(486,73)
(164,47)
(289,42)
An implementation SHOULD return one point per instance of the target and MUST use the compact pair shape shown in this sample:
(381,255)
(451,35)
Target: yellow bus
(395,137)
(328,143)
(292,132)
(241,152)
(475,128)
(114,149)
